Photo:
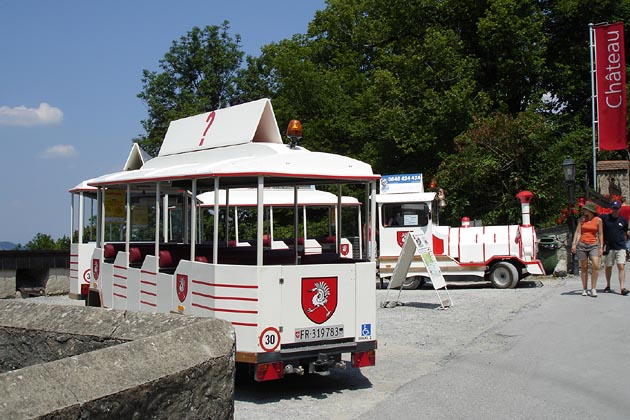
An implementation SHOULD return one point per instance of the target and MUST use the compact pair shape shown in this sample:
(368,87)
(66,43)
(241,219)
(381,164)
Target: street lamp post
(568,168)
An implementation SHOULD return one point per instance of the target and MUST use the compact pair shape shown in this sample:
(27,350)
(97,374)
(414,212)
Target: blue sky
(69,75)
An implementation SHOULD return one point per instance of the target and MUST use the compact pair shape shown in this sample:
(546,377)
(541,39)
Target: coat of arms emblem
(400,237)
(319,298)
(96,268)
(181,285)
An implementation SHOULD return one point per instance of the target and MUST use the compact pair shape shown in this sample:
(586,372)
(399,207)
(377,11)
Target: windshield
(405,214)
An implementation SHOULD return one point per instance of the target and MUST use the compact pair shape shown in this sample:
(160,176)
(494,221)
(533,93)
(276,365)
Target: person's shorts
(584,251)
(615,257)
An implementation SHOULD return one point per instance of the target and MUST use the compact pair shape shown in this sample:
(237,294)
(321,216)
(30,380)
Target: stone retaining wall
(7,284)
(69,362)
(56,281)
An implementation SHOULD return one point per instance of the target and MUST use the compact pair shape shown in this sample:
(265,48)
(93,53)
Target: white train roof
(135,160)
(276,197)
(240,143)
(82,187)
(406,197)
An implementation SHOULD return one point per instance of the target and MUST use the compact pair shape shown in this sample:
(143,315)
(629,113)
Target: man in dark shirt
(615,235)
(625,213)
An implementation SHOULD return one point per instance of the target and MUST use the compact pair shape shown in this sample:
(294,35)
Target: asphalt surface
(541,351)
(567,358)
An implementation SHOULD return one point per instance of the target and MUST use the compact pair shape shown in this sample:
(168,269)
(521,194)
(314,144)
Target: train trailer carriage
(293,311)
(82,226)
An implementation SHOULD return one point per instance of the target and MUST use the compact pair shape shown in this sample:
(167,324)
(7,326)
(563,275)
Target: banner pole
(593,103)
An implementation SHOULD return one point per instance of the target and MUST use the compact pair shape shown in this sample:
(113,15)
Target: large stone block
(7,284)
(58,282)
(157,366)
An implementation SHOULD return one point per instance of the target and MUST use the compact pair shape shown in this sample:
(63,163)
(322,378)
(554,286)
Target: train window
(405,214)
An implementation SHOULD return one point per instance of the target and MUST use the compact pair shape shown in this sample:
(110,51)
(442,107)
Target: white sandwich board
(413,242)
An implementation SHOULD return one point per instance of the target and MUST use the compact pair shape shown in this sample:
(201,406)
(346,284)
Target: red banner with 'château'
(610,66)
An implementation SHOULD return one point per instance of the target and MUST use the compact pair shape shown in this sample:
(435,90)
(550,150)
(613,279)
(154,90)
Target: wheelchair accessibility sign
(366,332)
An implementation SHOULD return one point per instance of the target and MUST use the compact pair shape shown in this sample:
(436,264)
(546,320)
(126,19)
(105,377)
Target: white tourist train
(294,309)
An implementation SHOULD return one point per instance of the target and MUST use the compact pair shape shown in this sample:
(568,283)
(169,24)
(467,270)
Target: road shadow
(524,284)
(471,284)
(577,292)
(296,387)
(423,305)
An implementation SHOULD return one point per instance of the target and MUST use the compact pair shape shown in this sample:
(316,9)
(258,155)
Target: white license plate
(318,333)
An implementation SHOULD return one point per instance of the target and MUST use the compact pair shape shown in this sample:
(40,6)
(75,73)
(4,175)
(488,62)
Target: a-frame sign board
(413,242)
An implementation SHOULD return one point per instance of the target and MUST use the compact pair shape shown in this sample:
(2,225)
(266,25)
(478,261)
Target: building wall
(614,182)
(613,178)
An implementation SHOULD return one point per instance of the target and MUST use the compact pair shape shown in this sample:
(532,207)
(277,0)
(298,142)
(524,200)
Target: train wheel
(412,283)
(517,280)
(503,275)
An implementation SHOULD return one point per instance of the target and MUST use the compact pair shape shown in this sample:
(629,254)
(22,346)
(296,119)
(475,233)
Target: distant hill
(7,246)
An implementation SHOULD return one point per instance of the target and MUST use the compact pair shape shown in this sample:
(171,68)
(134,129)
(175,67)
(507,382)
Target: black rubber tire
(503,275)
(412,283)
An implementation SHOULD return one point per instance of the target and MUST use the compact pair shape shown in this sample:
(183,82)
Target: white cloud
(26,117)
(59,151)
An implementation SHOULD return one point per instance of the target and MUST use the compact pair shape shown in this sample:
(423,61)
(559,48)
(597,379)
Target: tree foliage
(198,74)
(502,151)
(487,97)
(45,242)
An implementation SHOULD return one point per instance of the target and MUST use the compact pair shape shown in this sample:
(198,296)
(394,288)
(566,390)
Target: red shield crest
(345,249)
(96,268)
(400,237)
(319,298)
(181,284)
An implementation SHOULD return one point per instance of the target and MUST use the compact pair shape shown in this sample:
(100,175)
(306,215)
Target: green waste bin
(548,253)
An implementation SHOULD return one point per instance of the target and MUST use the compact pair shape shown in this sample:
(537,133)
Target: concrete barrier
(34,273)
(7,284)
(54,281)
(69,362)
(58,282)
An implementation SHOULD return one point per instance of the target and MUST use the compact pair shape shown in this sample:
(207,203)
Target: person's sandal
(607,289)
(624,291)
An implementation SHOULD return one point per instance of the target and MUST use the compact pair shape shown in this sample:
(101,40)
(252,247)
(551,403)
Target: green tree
(45,242)
(256,79)
(498,157)
(567,57)
(41,241)
(63,243)
(198,74)
(512,52)
(376,83)
(440,87)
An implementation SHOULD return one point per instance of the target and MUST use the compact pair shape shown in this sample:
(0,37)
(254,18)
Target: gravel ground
(414,339)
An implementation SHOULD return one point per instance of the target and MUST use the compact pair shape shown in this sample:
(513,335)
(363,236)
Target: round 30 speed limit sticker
(269,339)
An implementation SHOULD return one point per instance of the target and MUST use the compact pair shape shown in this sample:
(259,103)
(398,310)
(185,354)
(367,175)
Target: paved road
(529,353)
(565,359)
